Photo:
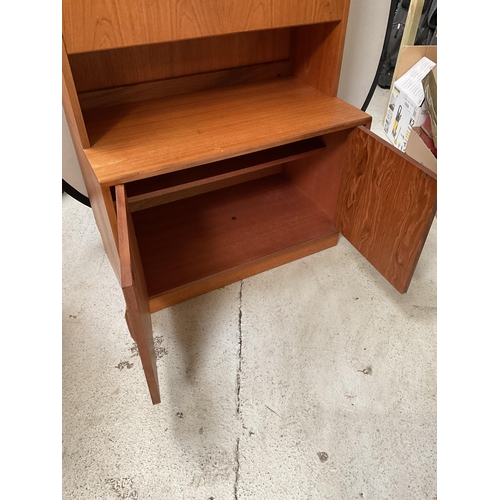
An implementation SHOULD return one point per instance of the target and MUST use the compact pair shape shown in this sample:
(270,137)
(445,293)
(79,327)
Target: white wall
(363,47)
(70,168)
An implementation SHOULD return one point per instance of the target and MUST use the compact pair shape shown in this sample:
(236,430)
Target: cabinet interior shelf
(181,184)
(223,233)
(147,138)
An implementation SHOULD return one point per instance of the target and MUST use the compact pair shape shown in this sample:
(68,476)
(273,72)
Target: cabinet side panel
(100,198)
(317,54)
(71,104)
(386,206)
(113,68)
(318,176)
(90,25)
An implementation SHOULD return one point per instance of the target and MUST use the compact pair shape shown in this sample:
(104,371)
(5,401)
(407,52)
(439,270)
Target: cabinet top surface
(143,139)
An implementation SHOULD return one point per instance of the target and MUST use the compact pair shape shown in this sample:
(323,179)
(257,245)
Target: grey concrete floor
(315,380)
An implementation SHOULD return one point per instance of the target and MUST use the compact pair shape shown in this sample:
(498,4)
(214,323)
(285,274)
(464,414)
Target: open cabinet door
(386,206)
(135,292)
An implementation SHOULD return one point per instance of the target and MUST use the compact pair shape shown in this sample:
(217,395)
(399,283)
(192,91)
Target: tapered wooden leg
(130,328)
(139,325)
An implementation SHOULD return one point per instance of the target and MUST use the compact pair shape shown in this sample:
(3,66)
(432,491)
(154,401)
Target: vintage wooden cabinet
(213,147)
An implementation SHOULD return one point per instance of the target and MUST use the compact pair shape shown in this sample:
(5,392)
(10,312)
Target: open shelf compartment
(144,139)
(175,186)
(210,240)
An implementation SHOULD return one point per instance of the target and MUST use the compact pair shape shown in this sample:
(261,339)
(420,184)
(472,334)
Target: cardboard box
(409,55)
(430,90)
(407,105)
(418,150)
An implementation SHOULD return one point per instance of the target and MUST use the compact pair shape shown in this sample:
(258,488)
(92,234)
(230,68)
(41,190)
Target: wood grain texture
(183,85)
(317,52)
(134,289)
(318,176)
(242,271)
(265,158)
(197,238)
(157,136)
(203,179)
(195,188)
(71,104)
(92,25)
(317,56)
(114,68)
(386,205)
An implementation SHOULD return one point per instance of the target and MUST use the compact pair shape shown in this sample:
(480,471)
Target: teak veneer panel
(90,25)
(265,158)
(386,206)
(71,104)
(318,176)
(196,238)
(242,271)
(114,68)
(197,180)
(317,55)
(143,139)
(183,85)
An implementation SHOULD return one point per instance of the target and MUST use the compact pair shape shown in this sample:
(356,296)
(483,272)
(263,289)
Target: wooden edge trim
(195,188)
(205,185)
(404,156)
(71,103)
(112,180)
(420,247)
(123,237)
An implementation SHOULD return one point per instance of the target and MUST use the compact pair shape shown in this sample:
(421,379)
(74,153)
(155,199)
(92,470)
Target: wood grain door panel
(386,205)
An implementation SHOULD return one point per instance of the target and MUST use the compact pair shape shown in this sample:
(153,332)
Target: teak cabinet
(213,147)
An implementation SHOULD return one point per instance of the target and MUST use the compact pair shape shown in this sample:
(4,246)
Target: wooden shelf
(214,236)
(175,186)
(143,139)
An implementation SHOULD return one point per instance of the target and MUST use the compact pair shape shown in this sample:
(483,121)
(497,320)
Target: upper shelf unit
(94,25)
(144,111)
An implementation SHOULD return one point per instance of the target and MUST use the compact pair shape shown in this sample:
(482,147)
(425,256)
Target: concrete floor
(315,380)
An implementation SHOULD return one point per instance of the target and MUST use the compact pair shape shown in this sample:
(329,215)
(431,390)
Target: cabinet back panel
(113,68)
(183,85)
(318,176)
(91,25)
